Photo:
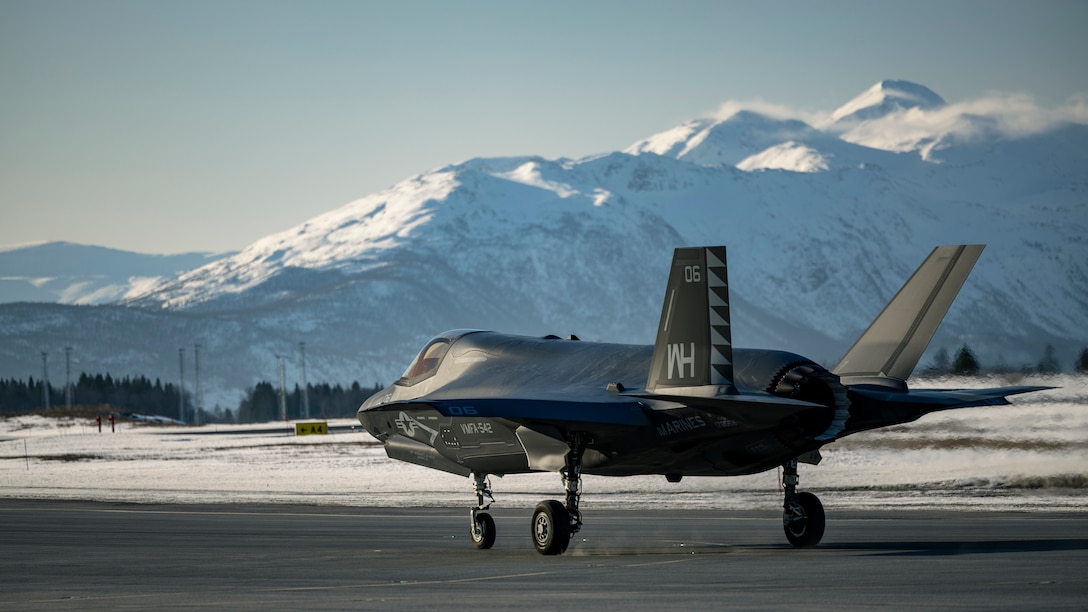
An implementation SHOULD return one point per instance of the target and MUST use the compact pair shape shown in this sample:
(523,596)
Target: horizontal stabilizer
(892,345)
(944,399)
(746,411)
(873,407)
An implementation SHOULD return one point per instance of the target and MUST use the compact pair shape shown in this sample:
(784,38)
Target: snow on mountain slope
(821,233)
(334,240)
(787,156)
(710,142)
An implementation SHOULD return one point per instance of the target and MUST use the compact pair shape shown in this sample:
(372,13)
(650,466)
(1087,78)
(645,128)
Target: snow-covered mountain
(823,224)
(68,273)
(885,98)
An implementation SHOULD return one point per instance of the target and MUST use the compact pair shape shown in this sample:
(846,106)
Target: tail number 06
(692,274)
(461,411)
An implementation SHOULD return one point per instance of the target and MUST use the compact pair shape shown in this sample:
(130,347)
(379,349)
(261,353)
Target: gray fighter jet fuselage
(566,382)
(477,403)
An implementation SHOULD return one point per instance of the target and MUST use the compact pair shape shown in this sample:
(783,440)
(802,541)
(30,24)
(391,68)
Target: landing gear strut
(802,513)
(481,525)
(554,523)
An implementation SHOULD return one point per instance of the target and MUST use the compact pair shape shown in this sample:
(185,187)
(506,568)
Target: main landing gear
(553,523)
(802,513)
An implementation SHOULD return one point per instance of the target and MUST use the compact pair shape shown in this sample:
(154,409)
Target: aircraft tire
(486,537)
(551,528)
(809,529)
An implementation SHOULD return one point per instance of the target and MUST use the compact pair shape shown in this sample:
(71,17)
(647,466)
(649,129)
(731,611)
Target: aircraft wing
(622,411)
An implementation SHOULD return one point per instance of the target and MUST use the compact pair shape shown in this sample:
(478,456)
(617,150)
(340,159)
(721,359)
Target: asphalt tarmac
(84,555)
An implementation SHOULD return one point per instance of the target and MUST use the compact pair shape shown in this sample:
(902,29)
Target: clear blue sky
(169,126)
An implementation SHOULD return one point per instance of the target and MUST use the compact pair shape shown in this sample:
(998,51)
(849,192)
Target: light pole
(181,384)
(197,399)
(68,377)
(45,380)
(305,387)
(283,389)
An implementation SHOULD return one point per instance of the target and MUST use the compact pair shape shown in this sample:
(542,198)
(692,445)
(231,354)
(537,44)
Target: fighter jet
(480,403)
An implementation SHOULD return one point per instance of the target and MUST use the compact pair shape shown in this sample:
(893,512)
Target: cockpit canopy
(430,357)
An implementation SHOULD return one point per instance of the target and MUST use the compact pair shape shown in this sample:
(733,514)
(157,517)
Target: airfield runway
(85,555)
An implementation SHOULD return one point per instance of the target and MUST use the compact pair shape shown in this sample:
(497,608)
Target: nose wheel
(483,530)
(481,525)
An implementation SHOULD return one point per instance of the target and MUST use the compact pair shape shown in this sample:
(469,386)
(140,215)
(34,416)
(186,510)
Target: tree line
(139,395)
(262,402)
(965,363)
(131,394)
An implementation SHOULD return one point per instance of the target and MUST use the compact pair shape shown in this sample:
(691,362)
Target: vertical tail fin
(892,345)
(693,353)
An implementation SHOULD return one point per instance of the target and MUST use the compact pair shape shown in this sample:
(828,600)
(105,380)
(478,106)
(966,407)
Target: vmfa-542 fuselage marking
(476,403)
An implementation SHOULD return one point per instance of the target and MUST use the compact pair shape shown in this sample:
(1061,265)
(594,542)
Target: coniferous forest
(139,395)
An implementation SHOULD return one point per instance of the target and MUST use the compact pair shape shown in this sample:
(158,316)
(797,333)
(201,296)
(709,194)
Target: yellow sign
(305,429)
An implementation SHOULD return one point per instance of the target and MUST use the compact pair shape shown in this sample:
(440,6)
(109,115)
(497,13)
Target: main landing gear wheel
(802,513)
(483,531)
(555,523)
(551,528)
(803,520)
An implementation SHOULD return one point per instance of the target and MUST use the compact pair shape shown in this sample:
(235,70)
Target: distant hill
(68,273)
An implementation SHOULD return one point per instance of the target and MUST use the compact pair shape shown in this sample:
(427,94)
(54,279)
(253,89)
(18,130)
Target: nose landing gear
(481,525)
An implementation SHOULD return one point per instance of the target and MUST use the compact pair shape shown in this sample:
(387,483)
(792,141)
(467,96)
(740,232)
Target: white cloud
(1008,115)
(1018,114)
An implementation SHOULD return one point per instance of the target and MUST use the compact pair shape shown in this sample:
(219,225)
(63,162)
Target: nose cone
(379,398)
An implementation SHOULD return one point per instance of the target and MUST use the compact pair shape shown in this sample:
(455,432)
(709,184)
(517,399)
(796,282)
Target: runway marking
(414,582)
(659,562)
(344,587)
(235,513)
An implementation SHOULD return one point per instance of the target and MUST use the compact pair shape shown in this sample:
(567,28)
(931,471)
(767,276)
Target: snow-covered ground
(1031,455)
